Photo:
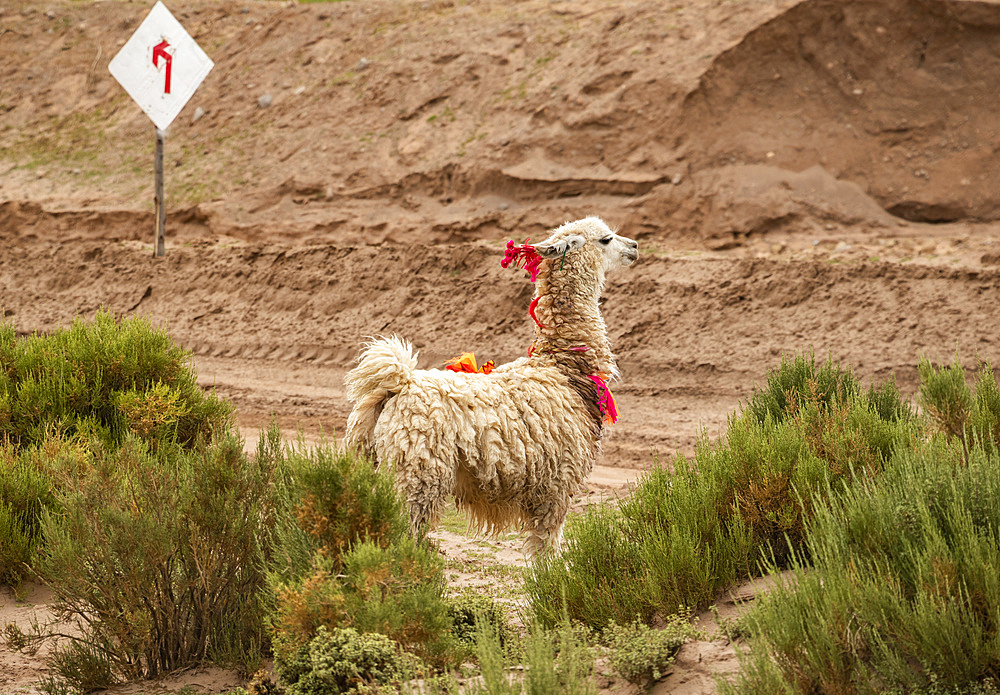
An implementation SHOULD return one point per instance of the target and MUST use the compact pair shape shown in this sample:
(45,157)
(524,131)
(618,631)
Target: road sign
(161,66)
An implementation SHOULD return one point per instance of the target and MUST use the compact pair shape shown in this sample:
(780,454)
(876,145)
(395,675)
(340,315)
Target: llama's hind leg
(426,490)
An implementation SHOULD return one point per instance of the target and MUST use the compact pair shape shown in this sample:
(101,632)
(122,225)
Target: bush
(104,378)
(640,653)
(971,417)
(25,490)
(342,660)
(683,536)
(100,380)
(397,591)
(556,661)
(338,499)
(903,594)
(158,556)
(470,608)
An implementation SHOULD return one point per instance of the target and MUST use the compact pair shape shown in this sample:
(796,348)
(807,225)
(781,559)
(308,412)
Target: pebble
(199,113)
(363,64)
(676,179)
(264,100)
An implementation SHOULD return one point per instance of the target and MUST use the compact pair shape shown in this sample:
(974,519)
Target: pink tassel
(605,401)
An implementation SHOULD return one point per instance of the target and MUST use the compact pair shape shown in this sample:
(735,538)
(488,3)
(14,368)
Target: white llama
(516,444)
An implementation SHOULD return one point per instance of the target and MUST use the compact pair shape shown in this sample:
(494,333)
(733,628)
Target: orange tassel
(466,362)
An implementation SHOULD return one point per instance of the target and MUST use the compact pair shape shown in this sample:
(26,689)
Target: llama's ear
(560,246)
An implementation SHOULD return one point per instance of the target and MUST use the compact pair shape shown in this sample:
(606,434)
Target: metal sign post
(160,67)
(159,208)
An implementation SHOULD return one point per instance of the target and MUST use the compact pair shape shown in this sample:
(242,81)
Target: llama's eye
(606,240)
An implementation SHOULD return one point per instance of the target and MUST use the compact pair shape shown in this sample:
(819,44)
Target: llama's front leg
(546,520)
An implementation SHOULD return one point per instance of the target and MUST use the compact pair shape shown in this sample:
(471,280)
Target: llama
(517,442)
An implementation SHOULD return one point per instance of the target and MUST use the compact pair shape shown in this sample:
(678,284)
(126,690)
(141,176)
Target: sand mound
(898,96)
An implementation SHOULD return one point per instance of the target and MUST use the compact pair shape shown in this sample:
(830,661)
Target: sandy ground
(800,174)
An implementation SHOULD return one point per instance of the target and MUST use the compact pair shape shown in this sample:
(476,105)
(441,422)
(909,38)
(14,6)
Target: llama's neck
(569,319)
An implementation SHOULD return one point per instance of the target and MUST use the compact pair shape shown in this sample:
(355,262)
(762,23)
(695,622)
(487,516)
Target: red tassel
(522,256)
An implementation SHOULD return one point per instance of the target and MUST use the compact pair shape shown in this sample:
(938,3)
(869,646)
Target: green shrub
(98,380)
(106,378)
(397,591)
(25,491)
(158,555)
(349,562)
(903,594)
(340,499)
(640,653)
(798,379)
(684,535)
(599,558)
(469,608)
(972,417)
(343,661)
(556,661)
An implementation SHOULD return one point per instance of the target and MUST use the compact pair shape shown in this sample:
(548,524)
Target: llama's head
(590,243)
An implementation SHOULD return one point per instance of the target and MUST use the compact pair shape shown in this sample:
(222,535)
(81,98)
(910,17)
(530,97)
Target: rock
(199,113)
(676,179)
(264,101)
(362,65)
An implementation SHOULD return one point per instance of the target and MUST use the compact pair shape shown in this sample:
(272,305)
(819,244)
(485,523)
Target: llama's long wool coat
(514,445)
(517,440)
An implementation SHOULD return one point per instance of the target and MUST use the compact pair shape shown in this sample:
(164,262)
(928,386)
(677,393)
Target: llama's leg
(545,523)
(426,490)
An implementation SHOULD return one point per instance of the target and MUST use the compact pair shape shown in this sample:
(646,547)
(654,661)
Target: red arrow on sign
(160,51)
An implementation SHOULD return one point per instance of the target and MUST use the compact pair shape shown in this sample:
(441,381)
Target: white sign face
(161,66)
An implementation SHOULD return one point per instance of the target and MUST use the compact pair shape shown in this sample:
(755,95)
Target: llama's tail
(385,366)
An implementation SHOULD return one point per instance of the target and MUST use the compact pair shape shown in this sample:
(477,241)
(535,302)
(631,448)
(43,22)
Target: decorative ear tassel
(522,256)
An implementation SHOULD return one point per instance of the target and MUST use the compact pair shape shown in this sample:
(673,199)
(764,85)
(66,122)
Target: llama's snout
(631,251)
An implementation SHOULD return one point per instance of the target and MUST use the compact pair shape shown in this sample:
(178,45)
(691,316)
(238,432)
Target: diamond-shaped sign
(161,66)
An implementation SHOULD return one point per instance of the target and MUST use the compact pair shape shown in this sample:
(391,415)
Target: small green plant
(971,416)
(342,660)
(339,500)
(640,653)
(556,661)
(469,608)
